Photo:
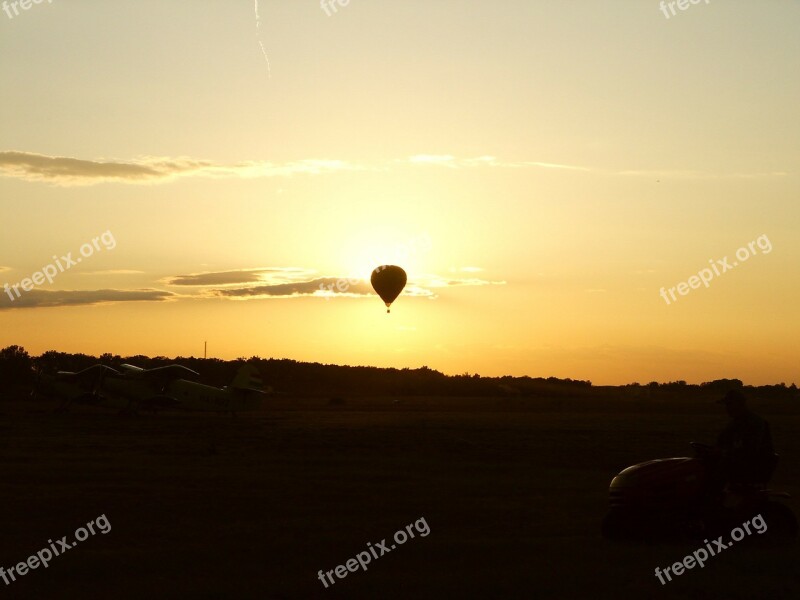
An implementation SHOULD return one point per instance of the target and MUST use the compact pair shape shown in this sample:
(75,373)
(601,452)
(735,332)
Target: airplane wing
(158,379)
(170,372)
(93,370)
(88,377)
(160,376)
(83,387)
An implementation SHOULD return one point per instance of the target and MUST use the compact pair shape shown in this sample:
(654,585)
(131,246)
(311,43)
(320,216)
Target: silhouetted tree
(16,365)
(721,386)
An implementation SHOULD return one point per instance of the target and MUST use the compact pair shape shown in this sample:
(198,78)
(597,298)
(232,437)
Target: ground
(513,491)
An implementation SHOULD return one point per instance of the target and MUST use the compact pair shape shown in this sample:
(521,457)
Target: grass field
(513,491)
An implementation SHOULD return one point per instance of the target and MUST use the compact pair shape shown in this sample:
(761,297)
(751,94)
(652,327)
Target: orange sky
(541,171)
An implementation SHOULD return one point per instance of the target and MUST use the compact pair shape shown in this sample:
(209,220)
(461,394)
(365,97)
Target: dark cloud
(319,286)
(47,298)
(234,277)
(74,171)
(28,165)
(341,286)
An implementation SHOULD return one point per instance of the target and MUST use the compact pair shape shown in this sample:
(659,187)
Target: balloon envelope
(388,281)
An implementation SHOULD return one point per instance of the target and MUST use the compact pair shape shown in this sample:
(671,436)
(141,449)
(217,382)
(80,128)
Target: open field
(214,507)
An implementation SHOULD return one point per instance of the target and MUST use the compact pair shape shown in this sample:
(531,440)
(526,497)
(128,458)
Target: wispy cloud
(73,171)
(321,286)
(60,170)
(236,284)
(453,162)
(689,174)
(113,272)
(342,287)
(48,298)
(548,165)
(261,43)
(435,281)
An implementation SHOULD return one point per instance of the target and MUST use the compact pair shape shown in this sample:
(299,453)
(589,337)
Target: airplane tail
(248,379)
(248,387)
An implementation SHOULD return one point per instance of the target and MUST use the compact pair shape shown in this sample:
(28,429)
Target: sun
(371,250)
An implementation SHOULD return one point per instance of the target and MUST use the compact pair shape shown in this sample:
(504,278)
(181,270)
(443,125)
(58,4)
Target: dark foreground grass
(211,507)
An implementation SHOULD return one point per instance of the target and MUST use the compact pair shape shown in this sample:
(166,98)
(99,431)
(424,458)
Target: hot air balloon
(388,281)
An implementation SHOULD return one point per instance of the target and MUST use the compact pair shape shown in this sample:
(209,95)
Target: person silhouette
(744,447)
(742,458)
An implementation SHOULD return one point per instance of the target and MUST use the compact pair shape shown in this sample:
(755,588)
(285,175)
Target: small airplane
(82,387)
(132,389)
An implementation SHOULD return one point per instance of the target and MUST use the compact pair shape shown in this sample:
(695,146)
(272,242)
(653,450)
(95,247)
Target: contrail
(260,43)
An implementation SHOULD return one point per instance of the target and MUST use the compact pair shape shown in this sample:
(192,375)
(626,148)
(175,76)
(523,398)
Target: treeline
(717,387)
(18,368)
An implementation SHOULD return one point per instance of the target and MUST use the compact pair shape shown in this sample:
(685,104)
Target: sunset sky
(540,169)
